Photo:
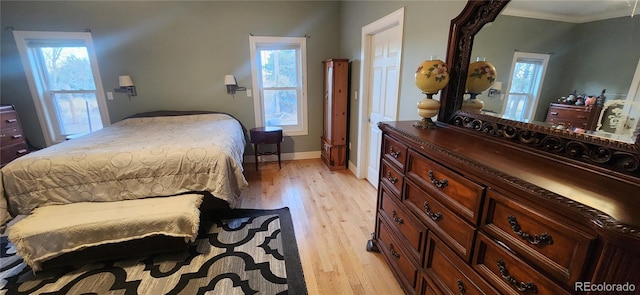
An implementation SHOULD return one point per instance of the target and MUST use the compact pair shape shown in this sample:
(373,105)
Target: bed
(147,155)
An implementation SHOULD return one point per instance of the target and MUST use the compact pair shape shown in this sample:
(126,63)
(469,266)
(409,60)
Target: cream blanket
(54,230)
(134,158)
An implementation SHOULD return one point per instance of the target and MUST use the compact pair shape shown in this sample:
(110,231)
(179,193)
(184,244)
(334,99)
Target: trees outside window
(278,70)
(64,82)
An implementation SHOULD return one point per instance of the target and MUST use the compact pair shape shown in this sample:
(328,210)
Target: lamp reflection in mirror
(126,86)
(232,85)
(431,76)
(480,77)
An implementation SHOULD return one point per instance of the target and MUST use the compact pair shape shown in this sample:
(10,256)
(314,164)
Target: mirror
(608,153)
(575,60)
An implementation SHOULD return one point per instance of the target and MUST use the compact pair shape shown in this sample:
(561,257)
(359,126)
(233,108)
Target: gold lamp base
(427,108)
(425,123)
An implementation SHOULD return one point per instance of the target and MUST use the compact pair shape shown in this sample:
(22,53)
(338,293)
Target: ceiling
(576,11)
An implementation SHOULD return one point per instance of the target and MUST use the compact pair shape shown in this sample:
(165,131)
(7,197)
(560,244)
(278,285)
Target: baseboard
(283,156)
(354,169)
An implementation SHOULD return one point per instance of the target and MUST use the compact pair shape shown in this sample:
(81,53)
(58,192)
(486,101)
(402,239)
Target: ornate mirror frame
(584,148)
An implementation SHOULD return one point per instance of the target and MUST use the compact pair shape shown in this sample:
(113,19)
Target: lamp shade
(230,80)
(481,76)
(125,81)
(431,76)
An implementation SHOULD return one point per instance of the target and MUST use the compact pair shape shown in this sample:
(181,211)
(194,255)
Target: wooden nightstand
(266,135)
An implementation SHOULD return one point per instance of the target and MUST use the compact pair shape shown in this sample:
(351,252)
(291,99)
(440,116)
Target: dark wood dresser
(573,116)
(460,213)
(12,141)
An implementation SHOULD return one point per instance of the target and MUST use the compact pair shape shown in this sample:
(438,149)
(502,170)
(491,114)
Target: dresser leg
(371,244)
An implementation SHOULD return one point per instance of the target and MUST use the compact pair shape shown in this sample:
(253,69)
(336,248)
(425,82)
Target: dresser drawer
(571,114)
(567,122)
(450,188)
(412,231)
(549,242)
(451,274)
(428,287)
(9,153)
(11,136)
(335,156)
(392,178)
(9,120)
(404,267)
(451,228)
(508,273)
(395,152)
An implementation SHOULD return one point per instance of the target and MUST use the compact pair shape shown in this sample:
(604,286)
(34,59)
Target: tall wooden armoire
(335,113)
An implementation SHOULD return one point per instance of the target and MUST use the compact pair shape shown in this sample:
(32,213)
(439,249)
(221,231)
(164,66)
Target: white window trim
(37,91)
(254,41)
(531,110)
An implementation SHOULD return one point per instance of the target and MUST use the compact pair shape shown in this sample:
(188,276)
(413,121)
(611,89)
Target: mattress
(134,158)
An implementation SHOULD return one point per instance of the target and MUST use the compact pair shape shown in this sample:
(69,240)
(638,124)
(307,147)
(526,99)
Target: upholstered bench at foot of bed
(49,232)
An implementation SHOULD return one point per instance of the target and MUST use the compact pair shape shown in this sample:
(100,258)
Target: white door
(386,47)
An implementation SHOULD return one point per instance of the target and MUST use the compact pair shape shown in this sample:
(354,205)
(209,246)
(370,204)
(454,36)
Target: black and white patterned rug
(241,252)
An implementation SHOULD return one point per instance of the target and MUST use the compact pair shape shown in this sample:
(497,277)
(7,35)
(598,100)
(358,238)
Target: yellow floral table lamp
(431,76)
(482,74)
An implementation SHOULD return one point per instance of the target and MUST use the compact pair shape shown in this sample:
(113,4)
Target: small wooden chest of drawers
(572,116)
(12,141)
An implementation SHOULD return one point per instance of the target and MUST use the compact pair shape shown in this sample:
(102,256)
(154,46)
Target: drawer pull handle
(16,136)
(520,286)
(438,183)
(393,153)
(397,219)
(12,120)
(434,216)
(542,239)
(553,113)
(22,151)
(461,288)
(393,251)
(391,179)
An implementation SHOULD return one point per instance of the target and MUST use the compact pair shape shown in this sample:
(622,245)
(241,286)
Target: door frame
(393,19)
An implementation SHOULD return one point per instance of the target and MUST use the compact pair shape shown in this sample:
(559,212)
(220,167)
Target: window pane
(68,68)
(280,107)
(524,77)
(279,68)
(77,113)
(515,108)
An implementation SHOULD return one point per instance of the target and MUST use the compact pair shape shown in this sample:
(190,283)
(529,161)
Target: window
(63,77)
(527,74)
(279,72)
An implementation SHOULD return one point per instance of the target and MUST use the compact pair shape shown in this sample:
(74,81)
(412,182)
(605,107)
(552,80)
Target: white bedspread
(134,158)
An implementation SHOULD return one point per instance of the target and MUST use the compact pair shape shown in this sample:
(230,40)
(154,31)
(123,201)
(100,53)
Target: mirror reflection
(574,71)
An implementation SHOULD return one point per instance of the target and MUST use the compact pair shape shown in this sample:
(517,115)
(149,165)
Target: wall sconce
(232,85)
(126,86)
(495,89)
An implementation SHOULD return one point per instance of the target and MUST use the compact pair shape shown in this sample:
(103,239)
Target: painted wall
(586,57)
(426,33)
(178,52)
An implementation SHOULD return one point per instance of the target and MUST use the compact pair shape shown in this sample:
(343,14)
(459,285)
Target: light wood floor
(333,215)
